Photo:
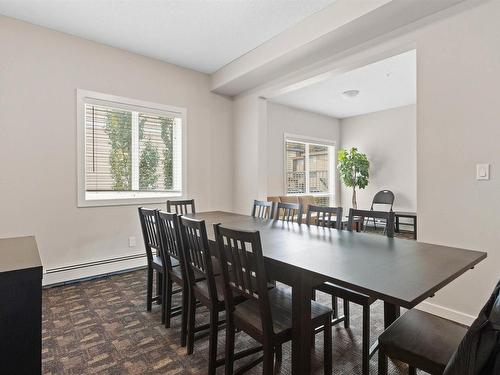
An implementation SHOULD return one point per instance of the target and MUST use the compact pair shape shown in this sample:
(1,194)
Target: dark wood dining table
(401,273)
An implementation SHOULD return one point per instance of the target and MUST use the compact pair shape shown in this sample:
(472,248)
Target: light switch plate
(132,242)
(482,172)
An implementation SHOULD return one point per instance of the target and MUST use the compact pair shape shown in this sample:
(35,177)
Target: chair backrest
(289,212)
(306,201)
(243,270)
(263,209)
(479,351)
(324,216)
(384,197)
(150,232)
(197,253)
(181,207)
(388,216)
(274,199)
(170,238)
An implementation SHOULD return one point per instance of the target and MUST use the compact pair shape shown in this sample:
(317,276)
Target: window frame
(332,194)
(133,197)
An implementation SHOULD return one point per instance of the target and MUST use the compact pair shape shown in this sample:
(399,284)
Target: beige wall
(282,119)
(40,71)
(249,152)
(389,140)
(458,126)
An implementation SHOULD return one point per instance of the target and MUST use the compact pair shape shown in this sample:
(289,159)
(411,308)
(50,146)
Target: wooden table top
(398,271)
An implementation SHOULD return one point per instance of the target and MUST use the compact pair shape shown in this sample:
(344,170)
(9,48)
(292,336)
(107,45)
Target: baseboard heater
(73,267)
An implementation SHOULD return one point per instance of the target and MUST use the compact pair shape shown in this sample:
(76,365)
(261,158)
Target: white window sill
(111,198)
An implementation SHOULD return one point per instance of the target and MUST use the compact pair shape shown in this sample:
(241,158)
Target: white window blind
(131,151)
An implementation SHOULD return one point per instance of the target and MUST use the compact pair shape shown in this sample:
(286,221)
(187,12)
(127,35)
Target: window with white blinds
(310,169)
(132,150)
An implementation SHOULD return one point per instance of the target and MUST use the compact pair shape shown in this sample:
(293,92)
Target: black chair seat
(280,300)
(157,262)
(176,273)
(201,291)
(424,340)
(351,295)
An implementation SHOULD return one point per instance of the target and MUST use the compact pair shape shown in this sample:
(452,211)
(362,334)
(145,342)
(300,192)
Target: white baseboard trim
(63,275)
(447,313)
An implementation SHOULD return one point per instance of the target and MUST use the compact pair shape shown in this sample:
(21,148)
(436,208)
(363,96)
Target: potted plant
(353,169)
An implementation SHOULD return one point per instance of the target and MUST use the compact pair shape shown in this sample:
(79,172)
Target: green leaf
(353,168)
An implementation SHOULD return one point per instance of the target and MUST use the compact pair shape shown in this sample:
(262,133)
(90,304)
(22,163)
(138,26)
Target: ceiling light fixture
(350,93)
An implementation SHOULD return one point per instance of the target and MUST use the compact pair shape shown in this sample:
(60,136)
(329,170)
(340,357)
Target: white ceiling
(385,84)
(203,35)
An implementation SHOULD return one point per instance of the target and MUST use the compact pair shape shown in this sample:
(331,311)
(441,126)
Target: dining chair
(440,346)
(205,285)
(176,269)
(181,207)
(155,262)
(290,212)
(263,209)
(348,296)
(387,216)
(266,315)
(330,217)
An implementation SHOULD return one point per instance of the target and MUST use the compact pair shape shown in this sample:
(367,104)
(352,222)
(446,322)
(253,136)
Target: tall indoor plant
(353,168)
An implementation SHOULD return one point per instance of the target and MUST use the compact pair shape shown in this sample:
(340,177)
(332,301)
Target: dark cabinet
(20,307)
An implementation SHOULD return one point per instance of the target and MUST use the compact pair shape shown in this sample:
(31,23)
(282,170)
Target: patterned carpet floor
(101,327)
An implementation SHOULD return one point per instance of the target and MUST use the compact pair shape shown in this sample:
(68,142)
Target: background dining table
(401,273)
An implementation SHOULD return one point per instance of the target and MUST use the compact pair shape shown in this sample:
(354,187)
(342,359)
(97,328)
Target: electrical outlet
(132,242)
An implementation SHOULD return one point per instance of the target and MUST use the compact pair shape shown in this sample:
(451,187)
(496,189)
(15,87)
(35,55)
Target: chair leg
(149,286)
(314,295)
(412,370)
(191,323)
(278,360)
(382,363)
(347,314)
(366,341)
(229,347)
(327,345)
(184,318)
(335,307)
(212,342)
(268,362)
(167,286)
(164,292)
(159,287)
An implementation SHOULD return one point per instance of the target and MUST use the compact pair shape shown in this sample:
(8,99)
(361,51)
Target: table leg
(301,325)
(391,313)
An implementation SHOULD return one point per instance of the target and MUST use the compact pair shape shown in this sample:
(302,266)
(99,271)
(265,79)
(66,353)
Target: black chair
(290,212)
(388,217)
(176,270)
(330,217)
(266,315)
(348,296)
(385,198)
(152,241)
(205,285)
(263,209)
(440,346)
(181,207)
